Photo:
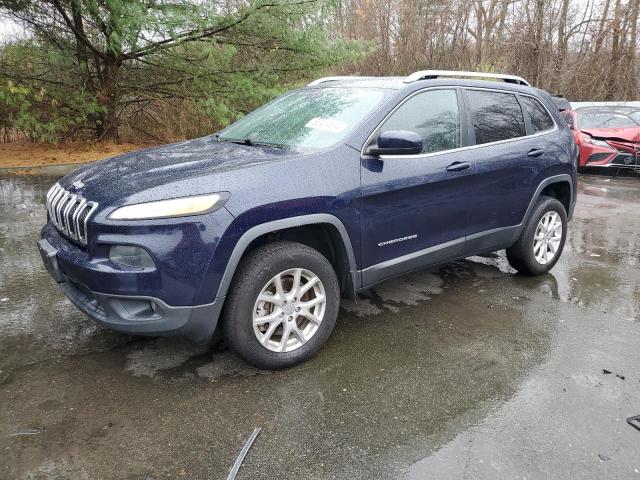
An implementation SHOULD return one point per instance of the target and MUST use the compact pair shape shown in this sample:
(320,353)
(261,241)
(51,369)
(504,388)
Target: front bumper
(621,160)
(138,315)
(620,155)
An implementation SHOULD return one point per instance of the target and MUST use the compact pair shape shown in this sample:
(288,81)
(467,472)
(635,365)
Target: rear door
(414,208)
(511,150)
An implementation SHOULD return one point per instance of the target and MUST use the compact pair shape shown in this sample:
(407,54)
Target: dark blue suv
(261,228)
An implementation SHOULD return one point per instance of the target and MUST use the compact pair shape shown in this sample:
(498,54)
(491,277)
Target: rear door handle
(458,166)
(535,152)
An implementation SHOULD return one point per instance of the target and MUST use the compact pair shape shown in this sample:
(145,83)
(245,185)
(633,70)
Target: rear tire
(277,290)
(542,239)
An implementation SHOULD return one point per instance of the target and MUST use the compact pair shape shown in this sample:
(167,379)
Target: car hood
(627,134)
(178,169)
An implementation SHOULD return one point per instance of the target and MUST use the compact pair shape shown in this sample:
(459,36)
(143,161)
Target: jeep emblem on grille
(78,184)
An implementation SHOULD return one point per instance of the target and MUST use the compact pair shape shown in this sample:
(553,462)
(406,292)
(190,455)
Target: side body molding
(275,225)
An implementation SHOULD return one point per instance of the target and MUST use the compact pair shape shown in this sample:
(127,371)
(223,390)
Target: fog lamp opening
(130,256)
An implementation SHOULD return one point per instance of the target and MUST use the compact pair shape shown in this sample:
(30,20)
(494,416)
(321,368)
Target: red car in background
(607,138)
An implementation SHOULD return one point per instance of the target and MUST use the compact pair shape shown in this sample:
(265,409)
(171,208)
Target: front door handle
(458,166)
(535,152)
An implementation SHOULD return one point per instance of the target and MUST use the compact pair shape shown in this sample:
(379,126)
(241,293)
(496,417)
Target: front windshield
(306,120)
(604,120)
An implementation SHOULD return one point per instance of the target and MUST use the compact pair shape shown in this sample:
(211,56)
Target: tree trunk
(632,50)
(538,20)
(616,54)
(107,127)
(561,54)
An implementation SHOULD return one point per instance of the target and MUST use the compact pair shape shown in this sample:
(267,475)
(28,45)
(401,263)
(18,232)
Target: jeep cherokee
(261,228)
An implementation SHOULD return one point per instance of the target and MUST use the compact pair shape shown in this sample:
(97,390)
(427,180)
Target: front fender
(233,246)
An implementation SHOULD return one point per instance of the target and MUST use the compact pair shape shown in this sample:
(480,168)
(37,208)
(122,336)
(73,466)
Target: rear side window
(540,118)
(433,115)
(495,115)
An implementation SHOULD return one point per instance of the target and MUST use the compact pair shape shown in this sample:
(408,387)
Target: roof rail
(334,79)
(432,74)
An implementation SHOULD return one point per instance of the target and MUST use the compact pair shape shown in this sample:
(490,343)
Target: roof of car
(417,78)
(395,83)
(609,108)
(422,79)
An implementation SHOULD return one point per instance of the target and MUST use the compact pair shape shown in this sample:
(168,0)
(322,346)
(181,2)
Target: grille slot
(69,213)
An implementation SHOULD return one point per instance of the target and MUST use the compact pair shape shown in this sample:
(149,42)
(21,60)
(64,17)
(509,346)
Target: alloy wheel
(547,238)
(289,310)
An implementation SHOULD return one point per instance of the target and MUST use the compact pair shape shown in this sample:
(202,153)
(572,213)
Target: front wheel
(283,305)
(542,239)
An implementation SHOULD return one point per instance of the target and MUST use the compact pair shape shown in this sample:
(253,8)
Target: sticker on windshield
(327,125)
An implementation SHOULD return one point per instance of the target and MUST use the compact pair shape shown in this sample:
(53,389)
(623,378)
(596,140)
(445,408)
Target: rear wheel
(283,305)
(542,239)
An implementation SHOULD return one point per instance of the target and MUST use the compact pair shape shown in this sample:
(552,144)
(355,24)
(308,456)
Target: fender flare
(562,178)
(257,231)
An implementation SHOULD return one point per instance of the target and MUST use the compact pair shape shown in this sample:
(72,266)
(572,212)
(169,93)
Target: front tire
(283,305)
(542,239)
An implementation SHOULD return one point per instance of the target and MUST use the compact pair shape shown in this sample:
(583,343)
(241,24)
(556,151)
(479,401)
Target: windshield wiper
(243,141)
(247,141)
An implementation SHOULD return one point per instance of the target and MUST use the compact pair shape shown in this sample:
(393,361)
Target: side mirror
(396,142)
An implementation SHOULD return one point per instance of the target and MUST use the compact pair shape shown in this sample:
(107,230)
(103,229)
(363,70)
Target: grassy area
(23,154)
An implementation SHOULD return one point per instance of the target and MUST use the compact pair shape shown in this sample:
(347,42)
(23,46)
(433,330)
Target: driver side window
(433,115)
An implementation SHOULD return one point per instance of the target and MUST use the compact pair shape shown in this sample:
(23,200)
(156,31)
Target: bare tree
(581,49)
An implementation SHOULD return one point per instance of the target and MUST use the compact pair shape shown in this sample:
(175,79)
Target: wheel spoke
(310,316)
(299,334)
(550,220)
(305,288)
(314,301)
(267,318)
(278,283)
(537,246)
(286,333)
(269,333)
(297,275)
(270,298)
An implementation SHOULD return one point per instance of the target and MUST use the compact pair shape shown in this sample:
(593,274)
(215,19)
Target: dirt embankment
(23,154)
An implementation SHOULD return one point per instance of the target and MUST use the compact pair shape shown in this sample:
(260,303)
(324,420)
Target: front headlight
(175,207)
(599,143)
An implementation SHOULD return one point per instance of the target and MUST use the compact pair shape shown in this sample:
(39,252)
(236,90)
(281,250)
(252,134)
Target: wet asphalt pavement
(466,371)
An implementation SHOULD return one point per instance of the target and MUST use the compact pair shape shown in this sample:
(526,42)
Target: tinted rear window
(540,118)
(496,116)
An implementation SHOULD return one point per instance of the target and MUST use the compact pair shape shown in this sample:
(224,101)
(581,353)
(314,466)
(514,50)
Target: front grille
(69,213)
